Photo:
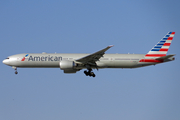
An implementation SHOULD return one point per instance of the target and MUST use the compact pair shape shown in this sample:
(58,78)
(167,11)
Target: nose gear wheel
(15,68)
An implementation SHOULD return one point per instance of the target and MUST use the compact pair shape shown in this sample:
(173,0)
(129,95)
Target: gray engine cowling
(67,66)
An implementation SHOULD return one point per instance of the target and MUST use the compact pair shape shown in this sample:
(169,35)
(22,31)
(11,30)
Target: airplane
(71,63)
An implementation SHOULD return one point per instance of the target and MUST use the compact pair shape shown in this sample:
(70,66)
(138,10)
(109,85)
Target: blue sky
(85,27)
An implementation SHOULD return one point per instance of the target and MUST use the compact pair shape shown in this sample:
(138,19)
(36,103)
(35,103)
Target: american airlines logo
(42,58)
(23,59)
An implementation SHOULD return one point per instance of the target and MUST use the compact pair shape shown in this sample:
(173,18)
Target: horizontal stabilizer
(165,57)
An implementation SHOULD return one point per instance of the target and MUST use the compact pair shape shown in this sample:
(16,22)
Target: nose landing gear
(89,73)
(16,72)
(15,68)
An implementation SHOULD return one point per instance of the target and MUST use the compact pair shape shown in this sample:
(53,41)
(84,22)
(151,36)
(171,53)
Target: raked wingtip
(110,45)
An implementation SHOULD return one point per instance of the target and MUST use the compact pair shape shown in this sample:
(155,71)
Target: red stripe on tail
(163,49)
(170,38)
(167,44)
(155,55)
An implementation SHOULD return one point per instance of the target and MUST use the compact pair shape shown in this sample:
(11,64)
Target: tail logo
(23,59)
(162,46)
(160,49)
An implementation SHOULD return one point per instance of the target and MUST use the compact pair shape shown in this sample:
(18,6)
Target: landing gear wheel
(86,73)
(92,74)
(89,73)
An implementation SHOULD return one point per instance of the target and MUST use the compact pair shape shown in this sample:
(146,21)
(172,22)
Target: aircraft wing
(92,58)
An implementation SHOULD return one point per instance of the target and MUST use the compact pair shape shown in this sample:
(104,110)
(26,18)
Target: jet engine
(68,66)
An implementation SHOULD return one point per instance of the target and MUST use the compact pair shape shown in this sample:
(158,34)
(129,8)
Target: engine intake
(67,65)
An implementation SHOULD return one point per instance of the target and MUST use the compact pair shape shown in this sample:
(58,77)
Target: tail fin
(162,47)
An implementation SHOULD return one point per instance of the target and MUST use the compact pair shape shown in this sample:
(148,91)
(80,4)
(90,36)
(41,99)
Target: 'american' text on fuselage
(45,58)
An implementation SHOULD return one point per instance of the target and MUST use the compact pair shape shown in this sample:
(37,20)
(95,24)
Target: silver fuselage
(49,60)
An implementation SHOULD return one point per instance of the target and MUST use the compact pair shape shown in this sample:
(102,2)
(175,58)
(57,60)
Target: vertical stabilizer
(161,48)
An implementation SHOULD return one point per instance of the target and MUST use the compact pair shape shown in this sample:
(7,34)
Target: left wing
(92,58)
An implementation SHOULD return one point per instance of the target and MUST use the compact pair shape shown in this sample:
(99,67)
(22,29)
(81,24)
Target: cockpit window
(7,58)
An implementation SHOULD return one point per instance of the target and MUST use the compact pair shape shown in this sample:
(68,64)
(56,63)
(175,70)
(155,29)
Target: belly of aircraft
(39,64)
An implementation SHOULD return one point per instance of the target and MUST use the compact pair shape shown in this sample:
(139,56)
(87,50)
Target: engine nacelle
(67,65)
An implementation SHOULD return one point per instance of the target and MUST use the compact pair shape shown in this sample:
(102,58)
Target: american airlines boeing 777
(71,63)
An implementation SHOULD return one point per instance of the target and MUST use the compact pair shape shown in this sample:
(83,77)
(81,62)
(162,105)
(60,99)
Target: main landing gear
(89,73)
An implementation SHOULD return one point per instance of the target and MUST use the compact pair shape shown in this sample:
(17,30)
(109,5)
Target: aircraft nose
(5,61)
